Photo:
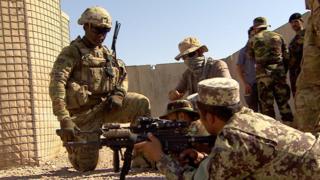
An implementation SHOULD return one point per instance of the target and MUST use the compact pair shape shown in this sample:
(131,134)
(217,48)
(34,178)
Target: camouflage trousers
(307,100)
(85,158)
(274,88)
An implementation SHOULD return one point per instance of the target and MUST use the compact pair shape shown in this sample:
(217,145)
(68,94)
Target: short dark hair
(223,112)
(295,16)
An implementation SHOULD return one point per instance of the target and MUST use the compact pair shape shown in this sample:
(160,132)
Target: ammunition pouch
(77,96)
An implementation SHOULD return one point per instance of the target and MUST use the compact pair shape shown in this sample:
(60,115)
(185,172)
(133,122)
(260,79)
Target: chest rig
(97,69)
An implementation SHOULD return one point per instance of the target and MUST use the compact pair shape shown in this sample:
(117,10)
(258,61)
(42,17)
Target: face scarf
(195,64)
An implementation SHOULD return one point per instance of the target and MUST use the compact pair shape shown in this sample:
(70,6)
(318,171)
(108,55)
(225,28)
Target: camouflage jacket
(254,146)
(212,68)
(269,51)
(296,50)
(81,76)
(312,5)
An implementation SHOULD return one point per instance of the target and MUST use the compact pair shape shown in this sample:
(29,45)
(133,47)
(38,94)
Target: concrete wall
(32,34)
(155,82)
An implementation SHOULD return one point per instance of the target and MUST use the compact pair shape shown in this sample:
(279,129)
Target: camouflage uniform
(269,50)
(307,97)
(250,145)
(79,82)
(295,57)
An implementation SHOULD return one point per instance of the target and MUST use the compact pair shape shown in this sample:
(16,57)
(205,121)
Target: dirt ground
(60,168)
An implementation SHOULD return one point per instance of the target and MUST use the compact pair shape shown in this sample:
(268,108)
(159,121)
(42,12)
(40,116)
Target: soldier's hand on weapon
(175,95)
(151,149)
(191,155)
(68,128)
(115,102)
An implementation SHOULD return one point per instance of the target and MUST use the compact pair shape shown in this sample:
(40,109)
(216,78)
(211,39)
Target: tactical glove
(115,102)
(68,128)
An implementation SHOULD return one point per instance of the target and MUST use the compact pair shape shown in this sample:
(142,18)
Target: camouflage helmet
(181,106)
(97,16)
(260,22)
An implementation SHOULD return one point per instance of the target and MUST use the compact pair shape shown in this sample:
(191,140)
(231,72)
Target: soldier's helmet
(181,106)
(260,22)
(97,16)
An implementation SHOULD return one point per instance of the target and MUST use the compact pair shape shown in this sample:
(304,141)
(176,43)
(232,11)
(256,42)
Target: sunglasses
(100,30)
(190,55)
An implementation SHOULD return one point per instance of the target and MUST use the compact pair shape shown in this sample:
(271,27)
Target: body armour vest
(96,74)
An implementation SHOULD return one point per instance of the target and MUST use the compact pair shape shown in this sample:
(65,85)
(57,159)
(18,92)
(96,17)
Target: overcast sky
(151,29)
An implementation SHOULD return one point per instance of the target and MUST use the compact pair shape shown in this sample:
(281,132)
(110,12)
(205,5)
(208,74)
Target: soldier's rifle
(171,134)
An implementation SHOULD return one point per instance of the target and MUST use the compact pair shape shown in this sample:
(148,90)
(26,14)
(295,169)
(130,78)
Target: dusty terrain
(59,168)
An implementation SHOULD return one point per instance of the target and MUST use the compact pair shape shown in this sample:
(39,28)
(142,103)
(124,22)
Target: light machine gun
(173,136)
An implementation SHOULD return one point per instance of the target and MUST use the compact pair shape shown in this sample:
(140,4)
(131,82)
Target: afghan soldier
(248,145)
(199,67)
(307,99)
(269,51)
(176,110)
(295,49)
(183,110)
(84,75)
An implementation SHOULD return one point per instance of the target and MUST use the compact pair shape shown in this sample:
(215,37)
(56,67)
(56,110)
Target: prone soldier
(182,110)
(248,145)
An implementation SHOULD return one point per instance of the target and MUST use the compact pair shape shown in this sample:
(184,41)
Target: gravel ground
(60,168)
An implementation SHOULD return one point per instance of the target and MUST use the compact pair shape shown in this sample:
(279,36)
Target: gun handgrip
(116,160)
(127,162)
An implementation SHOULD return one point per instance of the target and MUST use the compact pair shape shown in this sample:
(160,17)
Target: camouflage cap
(219,92)
(97,16)
(188,45)
(181,106)
(260,22)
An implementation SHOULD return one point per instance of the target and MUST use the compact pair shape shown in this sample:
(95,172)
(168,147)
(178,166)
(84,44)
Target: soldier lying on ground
(183,110)
(249,145)
(177,110)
